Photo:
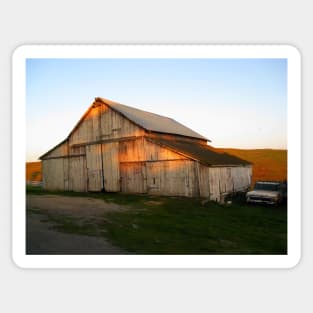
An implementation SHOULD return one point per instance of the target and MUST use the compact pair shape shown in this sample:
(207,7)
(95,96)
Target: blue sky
(238,103)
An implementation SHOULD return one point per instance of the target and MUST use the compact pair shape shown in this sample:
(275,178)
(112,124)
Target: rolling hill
(33,171)
(268,164)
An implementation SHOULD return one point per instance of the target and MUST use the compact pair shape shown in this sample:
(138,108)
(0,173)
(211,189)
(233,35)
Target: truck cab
(267,192)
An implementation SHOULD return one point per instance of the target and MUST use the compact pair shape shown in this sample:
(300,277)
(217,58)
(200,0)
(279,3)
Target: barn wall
(88,129)
(102,123)
(53,174)
(77,150)
(242,177)
(204,181)
(172,178)
(94,167)
(148,167)
(142,149)
(77,180)
(114,125)
(68,173)
(220,181)
(132,150)
(154,152)
(111,168)
(215,182)
(61,150)
(133,177)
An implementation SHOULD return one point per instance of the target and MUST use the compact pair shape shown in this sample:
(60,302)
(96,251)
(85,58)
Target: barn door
(111,169)
(94,167)
(77,173)
(66,173)
(154,170)
(133,177)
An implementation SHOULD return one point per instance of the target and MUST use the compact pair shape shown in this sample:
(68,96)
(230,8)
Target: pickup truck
(267,192)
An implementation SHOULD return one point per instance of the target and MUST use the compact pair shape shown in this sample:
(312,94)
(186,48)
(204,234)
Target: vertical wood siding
(102,123)
(172,178)
(114,125)
(154,152)
(66,173)
(142,149)
(78,150)
(53,174)
(77,174)
(216,182)
(204,180)
(133,177)
(94,167)
(61,150)
(111,170)
(132,150)
(176,177)
(242,177)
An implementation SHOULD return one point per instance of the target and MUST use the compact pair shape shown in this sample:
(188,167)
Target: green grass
(183,226)
(176,225)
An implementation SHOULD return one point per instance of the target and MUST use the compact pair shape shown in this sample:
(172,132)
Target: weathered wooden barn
(117,148)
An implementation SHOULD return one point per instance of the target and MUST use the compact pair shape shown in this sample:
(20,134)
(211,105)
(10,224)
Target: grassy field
(176,225)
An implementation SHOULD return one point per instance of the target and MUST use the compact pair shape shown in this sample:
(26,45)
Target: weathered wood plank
(53,174)
(77,174)
(216,182)
(142,149)
(59,151)
(102,123)
(111,169)
(94,168)
(133,177)
(172,178)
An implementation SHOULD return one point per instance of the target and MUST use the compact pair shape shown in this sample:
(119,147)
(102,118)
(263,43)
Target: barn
(118,148)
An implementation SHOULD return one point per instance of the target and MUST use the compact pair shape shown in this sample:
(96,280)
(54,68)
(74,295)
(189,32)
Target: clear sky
(236,103)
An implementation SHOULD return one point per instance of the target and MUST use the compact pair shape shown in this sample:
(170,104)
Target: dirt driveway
(44,213)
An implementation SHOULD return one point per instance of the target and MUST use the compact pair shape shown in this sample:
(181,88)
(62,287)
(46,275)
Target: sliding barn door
(94,167)
(111,170)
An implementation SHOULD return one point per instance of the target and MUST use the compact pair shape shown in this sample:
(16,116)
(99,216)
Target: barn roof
(205,154)
(151,121)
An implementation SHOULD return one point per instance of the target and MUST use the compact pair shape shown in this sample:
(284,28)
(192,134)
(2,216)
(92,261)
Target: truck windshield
(266,186)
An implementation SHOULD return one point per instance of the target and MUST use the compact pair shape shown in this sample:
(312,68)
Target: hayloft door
(94,168)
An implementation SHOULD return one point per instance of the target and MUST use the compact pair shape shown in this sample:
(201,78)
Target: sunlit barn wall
(216,182)
(102,123)
(53,173)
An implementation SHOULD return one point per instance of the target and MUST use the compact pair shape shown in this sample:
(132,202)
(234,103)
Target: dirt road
(42,236)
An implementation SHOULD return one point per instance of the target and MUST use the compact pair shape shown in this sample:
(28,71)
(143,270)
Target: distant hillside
(33,171)
(268,164)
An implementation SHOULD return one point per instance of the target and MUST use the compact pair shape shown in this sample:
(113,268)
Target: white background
(264,22)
